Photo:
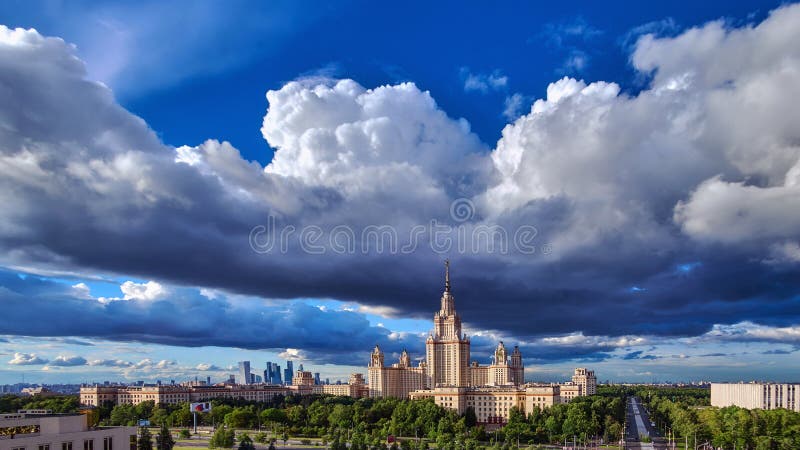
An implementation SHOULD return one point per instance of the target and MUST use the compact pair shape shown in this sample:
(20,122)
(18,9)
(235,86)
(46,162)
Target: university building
(453,381)
(756,395)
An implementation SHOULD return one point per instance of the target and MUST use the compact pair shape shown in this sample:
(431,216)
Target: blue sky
(652,147)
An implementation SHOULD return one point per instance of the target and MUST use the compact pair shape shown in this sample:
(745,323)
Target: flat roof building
(61,432)
(756,395)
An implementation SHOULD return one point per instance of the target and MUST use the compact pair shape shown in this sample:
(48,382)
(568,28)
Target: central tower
(447,350)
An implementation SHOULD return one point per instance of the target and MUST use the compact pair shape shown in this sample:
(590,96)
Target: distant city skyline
(616,187)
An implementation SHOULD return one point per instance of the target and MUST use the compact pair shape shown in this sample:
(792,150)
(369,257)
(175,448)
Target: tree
(123,415)
(273,415)
(144,442)
(159,415)
(470,419)
(222,438)
(245,443)
(164,440)
(240,418)
(181,417)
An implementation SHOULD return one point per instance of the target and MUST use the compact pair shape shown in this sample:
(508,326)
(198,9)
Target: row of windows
(88,444)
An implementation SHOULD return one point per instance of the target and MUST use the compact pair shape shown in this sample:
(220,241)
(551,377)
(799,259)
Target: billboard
(200,407)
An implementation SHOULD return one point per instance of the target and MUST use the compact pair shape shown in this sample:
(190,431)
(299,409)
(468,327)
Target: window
(66,446)
(107,443)
(18,448)
(44,446)
(88,444)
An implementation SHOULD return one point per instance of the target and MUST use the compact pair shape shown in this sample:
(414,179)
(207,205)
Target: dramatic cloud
(668,212)
(189,319)
(142,291)
(748,331)
(68,361)
(26,359)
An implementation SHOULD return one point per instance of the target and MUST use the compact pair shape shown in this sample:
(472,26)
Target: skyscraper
(289,372)
(244,373)
(316,378)
(273,373)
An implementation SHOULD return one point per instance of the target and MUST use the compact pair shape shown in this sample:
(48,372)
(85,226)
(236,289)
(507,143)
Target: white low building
(26,431)
(756,395)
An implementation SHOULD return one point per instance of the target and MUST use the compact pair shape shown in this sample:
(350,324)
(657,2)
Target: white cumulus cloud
(26,359)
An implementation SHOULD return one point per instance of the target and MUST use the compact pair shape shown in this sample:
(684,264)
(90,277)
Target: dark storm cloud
(186,319)
(638,355)
(618,188)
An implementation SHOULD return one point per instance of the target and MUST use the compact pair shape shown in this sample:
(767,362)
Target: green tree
(470,419)
(159,415)
(181,417)
(144,441)
(123,415)
(222,438)
(245,443)
(273,415)
(164,440)
(241,418)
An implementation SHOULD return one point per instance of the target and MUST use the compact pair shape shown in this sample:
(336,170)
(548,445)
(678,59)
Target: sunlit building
(448,377)
(586,379)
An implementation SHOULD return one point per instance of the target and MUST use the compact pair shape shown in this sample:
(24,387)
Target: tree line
(366,423)
(688,414)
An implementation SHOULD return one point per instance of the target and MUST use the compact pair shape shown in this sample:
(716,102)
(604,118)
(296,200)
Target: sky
(184,186)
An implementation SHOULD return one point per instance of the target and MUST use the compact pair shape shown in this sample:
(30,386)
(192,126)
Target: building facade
(452,381)
(756,395)
(196,392)
(303,378)
(397,380)
(61,432)
(492,404)
(447,349)
(356,388)
(288,372)
(244,377)
(586,379)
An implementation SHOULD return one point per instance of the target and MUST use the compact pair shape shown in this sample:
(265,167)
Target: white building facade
(756,395)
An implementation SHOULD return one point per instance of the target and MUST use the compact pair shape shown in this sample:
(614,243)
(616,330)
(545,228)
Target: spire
(447,275)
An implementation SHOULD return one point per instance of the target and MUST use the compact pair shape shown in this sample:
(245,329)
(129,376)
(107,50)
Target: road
(639,427)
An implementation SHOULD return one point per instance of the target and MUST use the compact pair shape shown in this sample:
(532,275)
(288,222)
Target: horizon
(186,187)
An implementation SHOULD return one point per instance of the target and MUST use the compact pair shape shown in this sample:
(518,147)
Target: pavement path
(639,427)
